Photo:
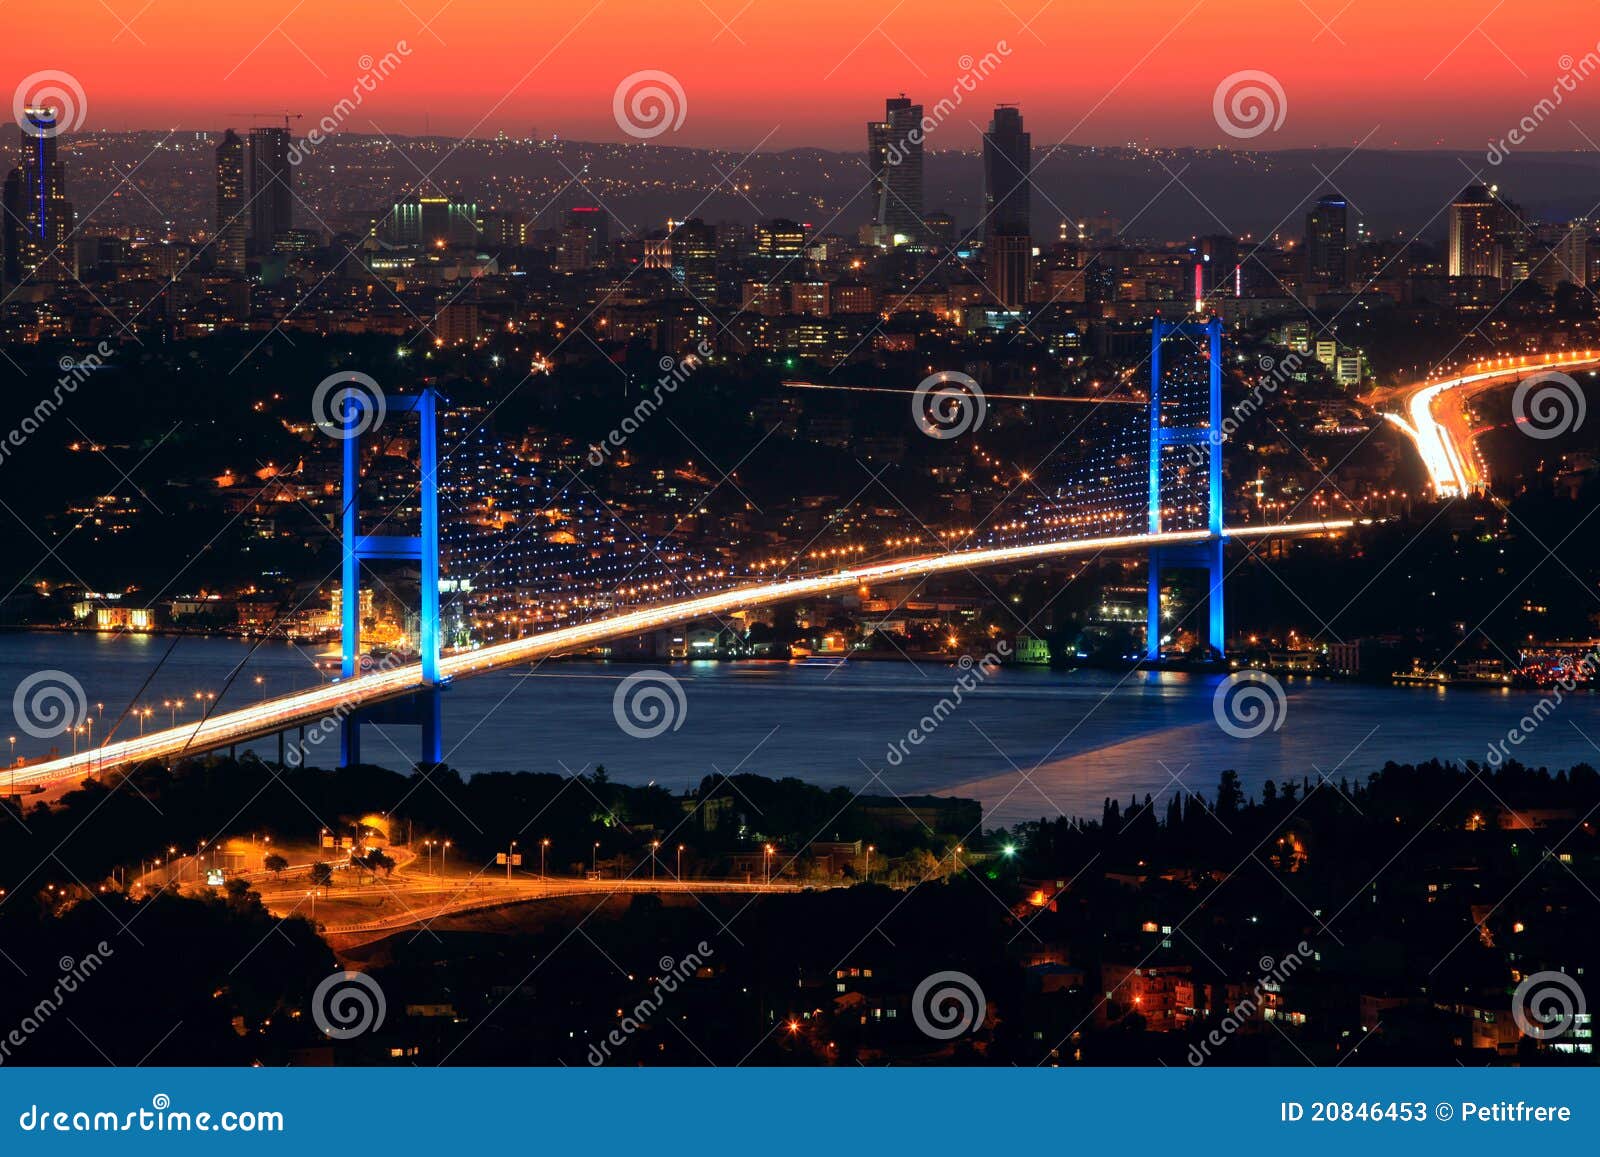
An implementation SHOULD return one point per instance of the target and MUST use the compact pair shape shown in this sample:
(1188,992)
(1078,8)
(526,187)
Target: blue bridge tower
(359,412)
(1195,441)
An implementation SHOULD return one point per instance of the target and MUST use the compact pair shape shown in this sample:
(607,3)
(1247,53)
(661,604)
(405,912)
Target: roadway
(1437,423)
(334,701)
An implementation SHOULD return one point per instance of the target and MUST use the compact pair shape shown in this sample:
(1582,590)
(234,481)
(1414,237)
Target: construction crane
(287,116)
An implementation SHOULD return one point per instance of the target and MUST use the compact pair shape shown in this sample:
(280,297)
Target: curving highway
(337,700)
(1436,422)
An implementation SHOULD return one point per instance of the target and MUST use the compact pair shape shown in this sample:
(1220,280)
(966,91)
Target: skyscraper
(231,225)
(271,212)
(1327,244)
(894,154)
(1474,227)
(1008,206)
(39,218)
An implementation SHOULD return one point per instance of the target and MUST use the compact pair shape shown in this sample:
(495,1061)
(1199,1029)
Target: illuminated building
(1327,246)
(1008,207)
(232,226)
(1474,225)
(894,155)
(433,223)
(271,208)
(39,218)
(694,258)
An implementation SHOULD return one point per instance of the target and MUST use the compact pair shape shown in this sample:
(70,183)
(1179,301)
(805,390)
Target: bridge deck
(337,700)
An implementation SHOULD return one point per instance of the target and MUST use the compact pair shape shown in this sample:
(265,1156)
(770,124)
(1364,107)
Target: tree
(321,875)
(275,864)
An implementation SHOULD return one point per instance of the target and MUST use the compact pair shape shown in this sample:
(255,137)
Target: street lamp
(680,861)
(511,854)
(544,846)
(594,860)
(429,845)
(654,845)
(766,861)
(444,858)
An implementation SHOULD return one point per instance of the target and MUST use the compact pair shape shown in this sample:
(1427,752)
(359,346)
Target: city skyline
(1091,79)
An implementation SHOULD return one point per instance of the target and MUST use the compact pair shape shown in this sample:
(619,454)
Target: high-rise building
(1474,228)
(271,199)
(1008,206)
(232,228)
(433,223)
(894,154)
(1007,179)
(39,218)
(694,258)
(1217,271)
(1327,243)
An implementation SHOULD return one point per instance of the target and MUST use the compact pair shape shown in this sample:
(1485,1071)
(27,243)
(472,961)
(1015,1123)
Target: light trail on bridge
(1443,445)
(336,701)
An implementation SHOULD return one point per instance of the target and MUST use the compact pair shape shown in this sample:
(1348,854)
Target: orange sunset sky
(786,74)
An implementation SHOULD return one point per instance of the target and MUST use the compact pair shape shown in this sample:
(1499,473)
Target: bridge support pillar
(1202,443)
(359,410)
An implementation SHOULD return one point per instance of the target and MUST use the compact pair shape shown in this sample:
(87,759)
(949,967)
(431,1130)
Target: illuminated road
(327,704)
(1437,423)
